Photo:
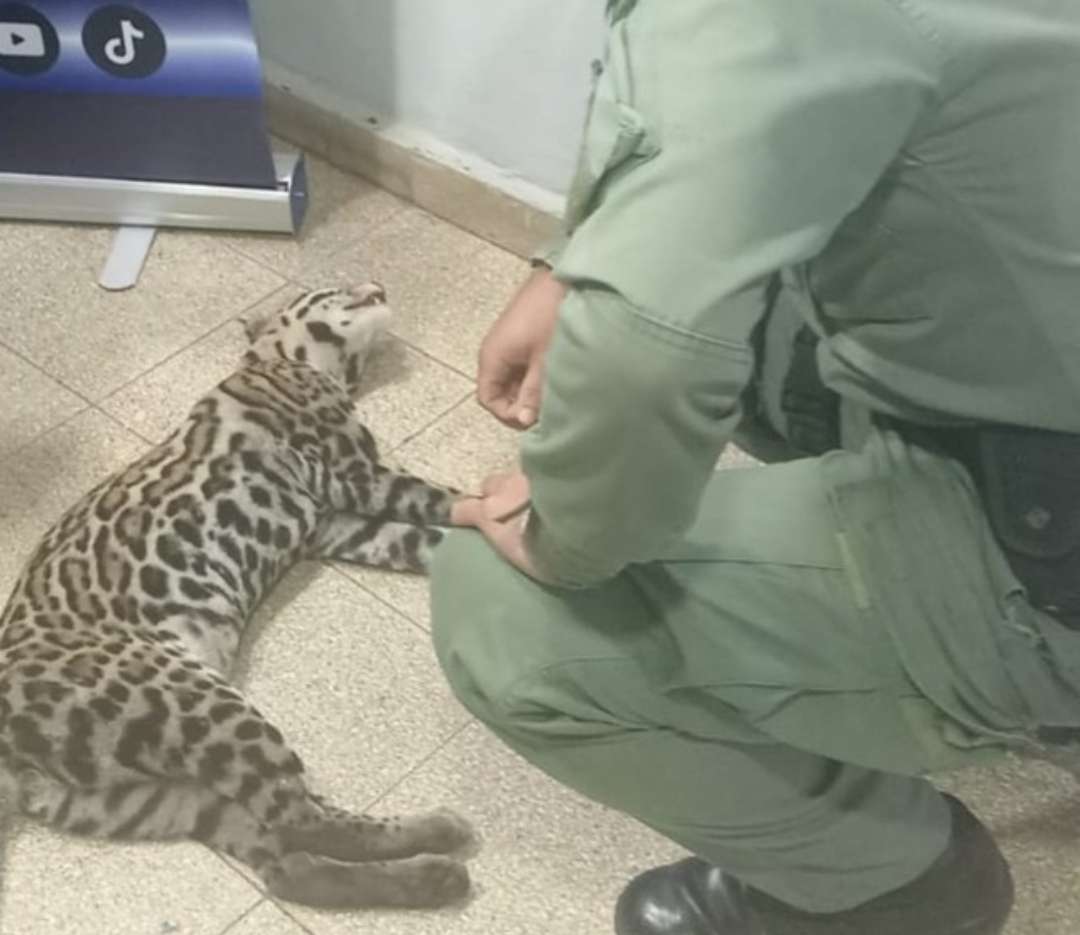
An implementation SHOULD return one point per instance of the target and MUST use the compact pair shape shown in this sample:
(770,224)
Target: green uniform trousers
(772,691)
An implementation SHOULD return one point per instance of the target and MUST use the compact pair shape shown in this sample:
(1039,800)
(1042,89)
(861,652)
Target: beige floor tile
(445,285)
(44,479)
(265,919)
(408,594)
(55,885)
(33,403)
(462,448)
(405,250)
(157,402)
(550,862)
(402,391)
(452,328)
(16,237)
(343,209)
(354,688)
(1033,811)
(94,340)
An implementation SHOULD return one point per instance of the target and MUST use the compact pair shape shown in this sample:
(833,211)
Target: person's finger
(502,405)
(497,397)
(496,378)
(527,405)
(468,511)
(508,497)
(506,538)
(487,512)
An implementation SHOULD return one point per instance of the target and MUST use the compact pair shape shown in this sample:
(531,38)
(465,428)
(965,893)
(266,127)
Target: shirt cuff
(560,565)
(548,253)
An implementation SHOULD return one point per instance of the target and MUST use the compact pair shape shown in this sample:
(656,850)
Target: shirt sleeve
(548,253)
(725,142)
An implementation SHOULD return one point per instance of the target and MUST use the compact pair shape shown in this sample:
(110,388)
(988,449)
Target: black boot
(968,890)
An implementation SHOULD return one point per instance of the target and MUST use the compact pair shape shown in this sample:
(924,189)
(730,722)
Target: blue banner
(158,90)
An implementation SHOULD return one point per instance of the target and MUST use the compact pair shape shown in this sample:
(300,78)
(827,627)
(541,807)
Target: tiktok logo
(124,41)
(121,50)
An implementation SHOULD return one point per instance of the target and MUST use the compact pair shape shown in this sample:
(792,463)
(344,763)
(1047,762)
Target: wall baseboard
(449,193)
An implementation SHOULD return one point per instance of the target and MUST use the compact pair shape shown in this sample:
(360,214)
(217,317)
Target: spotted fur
(117,718)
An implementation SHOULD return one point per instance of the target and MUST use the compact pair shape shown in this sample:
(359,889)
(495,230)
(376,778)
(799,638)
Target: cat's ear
(254,326)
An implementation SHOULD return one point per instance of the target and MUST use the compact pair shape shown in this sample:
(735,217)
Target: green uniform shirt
(909,168)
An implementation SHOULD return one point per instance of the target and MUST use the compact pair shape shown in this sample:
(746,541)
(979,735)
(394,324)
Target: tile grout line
(302,284)
(261,894)
(417,767)
(115,421)
(99,408)
(22,446)
(282,286)
(30,362)
(264,898)
(394,449)
(421,764)
(284,910)
(287,281)
(90,407)
(427,634)
(404,206)
(372,804)
(127,384)
(468,255)
(479,248)
(438,360)
(397,610)
(247,912)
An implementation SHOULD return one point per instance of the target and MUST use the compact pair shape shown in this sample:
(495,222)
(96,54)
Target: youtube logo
(28,41)
(23,39)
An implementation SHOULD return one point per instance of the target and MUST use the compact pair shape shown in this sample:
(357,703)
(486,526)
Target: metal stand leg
(129,251)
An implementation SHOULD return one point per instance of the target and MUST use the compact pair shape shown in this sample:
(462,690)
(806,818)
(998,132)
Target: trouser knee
(516,653)
(470,605)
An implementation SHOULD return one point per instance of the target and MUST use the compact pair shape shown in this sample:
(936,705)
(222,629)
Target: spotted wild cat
(117,717)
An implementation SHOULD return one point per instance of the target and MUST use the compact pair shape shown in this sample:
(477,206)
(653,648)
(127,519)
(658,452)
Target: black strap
(811,408)
(1029,482)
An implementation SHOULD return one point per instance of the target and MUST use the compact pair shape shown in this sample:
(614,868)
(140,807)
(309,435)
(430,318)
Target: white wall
(498,86)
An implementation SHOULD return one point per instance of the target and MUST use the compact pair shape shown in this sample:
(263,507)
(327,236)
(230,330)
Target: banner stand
(127,258)
(143,114)
(135,204)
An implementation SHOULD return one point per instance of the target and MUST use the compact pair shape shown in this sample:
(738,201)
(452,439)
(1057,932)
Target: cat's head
(332,330)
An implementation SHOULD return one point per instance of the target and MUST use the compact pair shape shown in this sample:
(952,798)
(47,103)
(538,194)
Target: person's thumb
(527,405)
(468,511)
(494,389)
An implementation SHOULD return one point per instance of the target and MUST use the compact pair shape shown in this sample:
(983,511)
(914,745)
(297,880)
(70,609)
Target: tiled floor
(342,661)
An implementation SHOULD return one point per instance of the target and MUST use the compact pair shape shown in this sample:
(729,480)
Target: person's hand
(511,367)
(501,514)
